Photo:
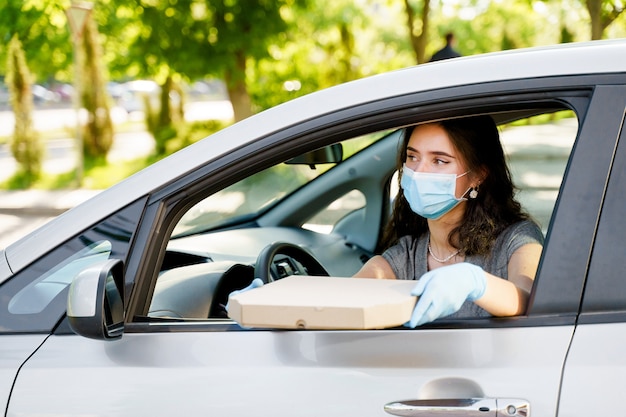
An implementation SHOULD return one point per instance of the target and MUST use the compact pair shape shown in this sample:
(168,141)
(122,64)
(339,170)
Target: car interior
(322,213)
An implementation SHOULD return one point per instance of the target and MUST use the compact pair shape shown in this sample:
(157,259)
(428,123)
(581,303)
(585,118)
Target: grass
(96,176)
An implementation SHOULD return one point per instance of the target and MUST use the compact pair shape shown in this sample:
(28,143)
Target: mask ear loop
(473,193)
(474,190)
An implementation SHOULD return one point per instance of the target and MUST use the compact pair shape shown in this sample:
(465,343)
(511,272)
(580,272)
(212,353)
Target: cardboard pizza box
(313,302)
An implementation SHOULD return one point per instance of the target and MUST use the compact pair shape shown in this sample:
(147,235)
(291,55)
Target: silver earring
(474,193)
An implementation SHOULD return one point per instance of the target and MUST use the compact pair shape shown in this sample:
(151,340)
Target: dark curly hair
(477,140)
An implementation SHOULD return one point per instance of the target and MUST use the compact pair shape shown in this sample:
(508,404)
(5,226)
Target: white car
(116,307)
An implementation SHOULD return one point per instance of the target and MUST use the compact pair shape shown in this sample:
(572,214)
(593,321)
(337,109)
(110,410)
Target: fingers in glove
(421,284)
(424,312)
(257,282)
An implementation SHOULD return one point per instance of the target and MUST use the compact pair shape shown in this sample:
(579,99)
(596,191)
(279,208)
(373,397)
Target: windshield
(254,194)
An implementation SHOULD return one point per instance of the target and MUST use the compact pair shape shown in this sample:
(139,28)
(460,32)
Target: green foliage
(25,145)
(336,41)
(165,121)
(602,14)
(41,26)
(268,51)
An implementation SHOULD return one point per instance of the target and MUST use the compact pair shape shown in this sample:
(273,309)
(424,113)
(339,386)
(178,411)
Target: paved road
(65,118)
(13,227)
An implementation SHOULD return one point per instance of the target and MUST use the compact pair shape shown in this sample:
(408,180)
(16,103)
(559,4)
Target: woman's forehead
(431,138)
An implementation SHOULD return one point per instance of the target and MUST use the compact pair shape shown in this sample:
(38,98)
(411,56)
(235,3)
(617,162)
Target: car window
(35,297)
(326,219)
(245,199)
(538,149)
(216,247)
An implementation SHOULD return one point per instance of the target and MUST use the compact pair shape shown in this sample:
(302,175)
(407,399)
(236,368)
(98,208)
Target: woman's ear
(480,175)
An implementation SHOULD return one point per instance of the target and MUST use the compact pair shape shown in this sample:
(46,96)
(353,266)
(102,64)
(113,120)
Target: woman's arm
(376,267)
(510,297)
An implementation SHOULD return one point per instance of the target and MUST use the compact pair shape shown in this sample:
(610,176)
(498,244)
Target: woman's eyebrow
(441,153)
(437,153)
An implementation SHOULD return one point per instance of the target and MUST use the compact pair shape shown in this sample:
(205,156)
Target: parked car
(44,96)
(116,307)
(131,95)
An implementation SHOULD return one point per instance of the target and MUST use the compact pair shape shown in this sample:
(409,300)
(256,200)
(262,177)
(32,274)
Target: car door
(217,368)
(596,364)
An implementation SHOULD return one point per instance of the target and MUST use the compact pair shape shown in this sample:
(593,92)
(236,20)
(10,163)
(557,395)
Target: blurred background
(91,92)
(181,69)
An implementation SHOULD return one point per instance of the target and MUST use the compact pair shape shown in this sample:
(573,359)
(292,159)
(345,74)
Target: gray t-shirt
(408,258)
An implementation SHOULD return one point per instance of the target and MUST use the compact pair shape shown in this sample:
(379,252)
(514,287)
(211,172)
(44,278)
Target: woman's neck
(440,229)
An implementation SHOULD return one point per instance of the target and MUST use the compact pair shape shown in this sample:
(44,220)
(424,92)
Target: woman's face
(430,150)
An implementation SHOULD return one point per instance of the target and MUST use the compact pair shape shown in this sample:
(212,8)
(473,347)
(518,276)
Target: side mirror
(95,304)
(327,155)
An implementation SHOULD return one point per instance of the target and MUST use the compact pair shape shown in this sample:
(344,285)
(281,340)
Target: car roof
(564,59)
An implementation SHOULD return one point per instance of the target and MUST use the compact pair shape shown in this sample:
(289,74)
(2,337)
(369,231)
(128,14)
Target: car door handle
(466,407)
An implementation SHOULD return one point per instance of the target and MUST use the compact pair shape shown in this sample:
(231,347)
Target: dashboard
(200,271)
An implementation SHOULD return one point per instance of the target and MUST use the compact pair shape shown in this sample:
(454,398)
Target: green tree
(98,129)
(25,145)
(199,39)
(41,26)
(165,123)
(418,28)
(602,14)
(335,41)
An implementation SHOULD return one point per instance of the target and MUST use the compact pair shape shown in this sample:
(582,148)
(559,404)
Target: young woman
(456,226)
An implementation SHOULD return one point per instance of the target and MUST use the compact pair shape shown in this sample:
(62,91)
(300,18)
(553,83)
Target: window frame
(605,287)
(574,93)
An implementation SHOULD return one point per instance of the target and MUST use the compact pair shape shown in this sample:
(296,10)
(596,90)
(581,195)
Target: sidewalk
(21,212)
(41,203)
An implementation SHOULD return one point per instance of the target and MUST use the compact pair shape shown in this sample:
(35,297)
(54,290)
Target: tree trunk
(237,89)
(418,42)
(98,132)
(25,145)
(595,13)
(600,19)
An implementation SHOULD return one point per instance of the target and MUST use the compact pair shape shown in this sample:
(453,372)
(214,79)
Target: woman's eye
(440,162)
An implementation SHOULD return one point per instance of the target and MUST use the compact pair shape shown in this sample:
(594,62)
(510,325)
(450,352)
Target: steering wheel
(264,262)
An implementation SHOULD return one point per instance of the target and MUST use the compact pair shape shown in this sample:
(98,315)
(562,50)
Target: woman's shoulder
(526,228)
(410,241)
(519,234)
(407,245)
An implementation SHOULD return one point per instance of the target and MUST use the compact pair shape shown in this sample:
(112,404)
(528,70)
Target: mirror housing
(95,303)
(327,155)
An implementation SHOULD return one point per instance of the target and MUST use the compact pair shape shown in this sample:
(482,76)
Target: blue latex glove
(254,284)
(443,291)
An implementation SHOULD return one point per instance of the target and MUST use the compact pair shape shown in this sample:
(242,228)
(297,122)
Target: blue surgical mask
(430,195)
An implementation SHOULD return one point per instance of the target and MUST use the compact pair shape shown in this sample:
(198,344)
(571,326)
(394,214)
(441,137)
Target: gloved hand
(254,284)
(443,291)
